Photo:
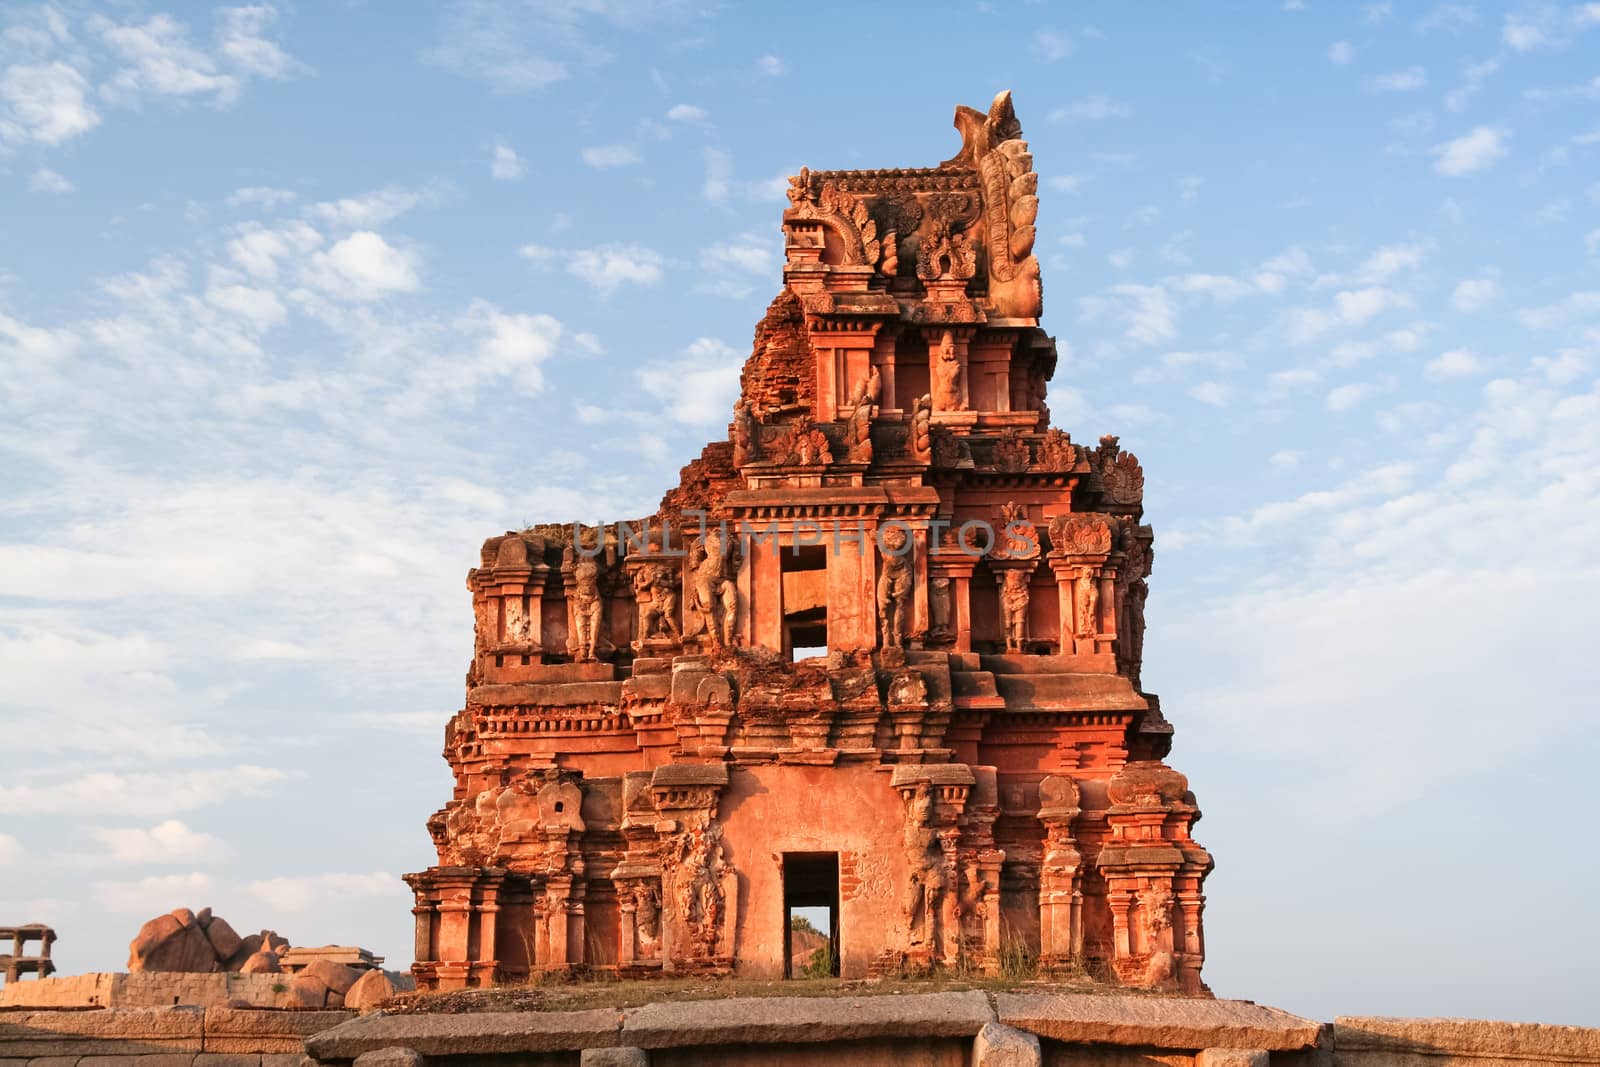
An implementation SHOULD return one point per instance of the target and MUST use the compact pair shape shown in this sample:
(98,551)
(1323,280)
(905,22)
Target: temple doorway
(811,914)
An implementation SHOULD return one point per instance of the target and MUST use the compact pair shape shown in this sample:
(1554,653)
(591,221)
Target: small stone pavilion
(878,652)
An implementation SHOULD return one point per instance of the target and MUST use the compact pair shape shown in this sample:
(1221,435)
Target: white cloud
(699,388)
(1388,261)
(46,103)
(1475,151)
(160,61)
(1574,306)
(371,209)
(772,66)
(1401,81)
(1474,294)
(298,894)
(1345,397)
(240,39)
(166,842)
(261,307)
(154,895)
(364,266)
(137,794)
(1094,108)
(1591,241)
(45,180)
(1341,52)
(259,195)
(1146,309)
(1220,287)
(1522,35)
(10,849)
(719,171)
(505,165)
(1066,183)
(1456,363)
(260,251)
(610,155)
(510,346)
(686,113)
(750,253)
(608,266)
(1285,459)
(1214,393)
(1049,46)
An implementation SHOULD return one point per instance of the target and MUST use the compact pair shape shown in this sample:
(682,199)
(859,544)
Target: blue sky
(298,303)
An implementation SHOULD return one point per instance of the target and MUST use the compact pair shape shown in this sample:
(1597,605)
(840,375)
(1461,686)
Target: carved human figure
(586,606)
(920,439)
(664,591)
(697,887)
(1086,596)
(894,585)
(716,597)
(647,918)
(1014,596)
(947,376)
(925,882)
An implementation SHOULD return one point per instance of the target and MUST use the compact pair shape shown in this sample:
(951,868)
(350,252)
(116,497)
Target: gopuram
(878,652)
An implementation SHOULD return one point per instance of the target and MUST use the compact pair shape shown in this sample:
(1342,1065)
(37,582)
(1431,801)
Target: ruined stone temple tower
(878,652)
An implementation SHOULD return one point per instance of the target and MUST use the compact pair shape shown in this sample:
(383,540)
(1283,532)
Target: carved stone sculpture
(925,880)
(716,598)
(947,391)
(894,586)
(858,434)
(920,439)
(586,603)
(1086,597)
(1014,596)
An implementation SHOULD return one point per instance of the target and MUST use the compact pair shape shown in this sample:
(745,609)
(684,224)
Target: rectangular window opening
(811,914)
(805,601)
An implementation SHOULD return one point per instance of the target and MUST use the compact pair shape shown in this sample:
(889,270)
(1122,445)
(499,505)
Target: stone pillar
(766,593)
(955,566)
(1060,887)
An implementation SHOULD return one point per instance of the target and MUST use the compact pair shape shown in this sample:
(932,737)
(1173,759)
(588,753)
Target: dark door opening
(811,914)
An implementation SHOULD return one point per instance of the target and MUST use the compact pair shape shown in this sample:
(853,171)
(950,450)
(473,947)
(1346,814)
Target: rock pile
(203,943)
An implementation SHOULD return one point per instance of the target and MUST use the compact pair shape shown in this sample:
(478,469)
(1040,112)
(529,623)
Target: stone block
(621,1056)
(226,1059)
(471,1035)
(1378,1040)
(1232,1057)
(287,1059)
(112,1032)
(391,1057)
(998,1045)
(1159,1022)
(231,1030)
(51,1061)
(168,1059)
(803,1020)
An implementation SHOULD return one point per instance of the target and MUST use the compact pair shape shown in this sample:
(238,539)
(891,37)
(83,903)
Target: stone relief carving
(894,586)
(858,434)
(1121,477)
(1080,534)
(1014,596)
(587,606)
(1011,453)
(992,143)
(698,867)
(939,593)
(948,394)
(925,880)
(716,596)
(1057,452)
(745,435)
(655,591)
(866,390)
(1086,600)
(919,441)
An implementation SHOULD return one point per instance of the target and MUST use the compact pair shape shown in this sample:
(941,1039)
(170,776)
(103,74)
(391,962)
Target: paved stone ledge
(805,1020)
(125,1032)
(240,1031)
(1160,1022)
(1375,1039)
(487,1033)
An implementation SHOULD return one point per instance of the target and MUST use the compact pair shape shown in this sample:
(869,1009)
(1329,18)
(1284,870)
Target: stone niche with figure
(874,661)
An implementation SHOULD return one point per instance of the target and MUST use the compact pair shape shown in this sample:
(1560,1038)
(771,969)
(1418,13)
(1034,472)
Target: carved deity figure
(1014,595)
(947,376)
(697,887)
(858,434)
(656,594)
(894,586)
(586,603)
(716,597)
(647,918)
(1086,596)
(925,882)
(920,439)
